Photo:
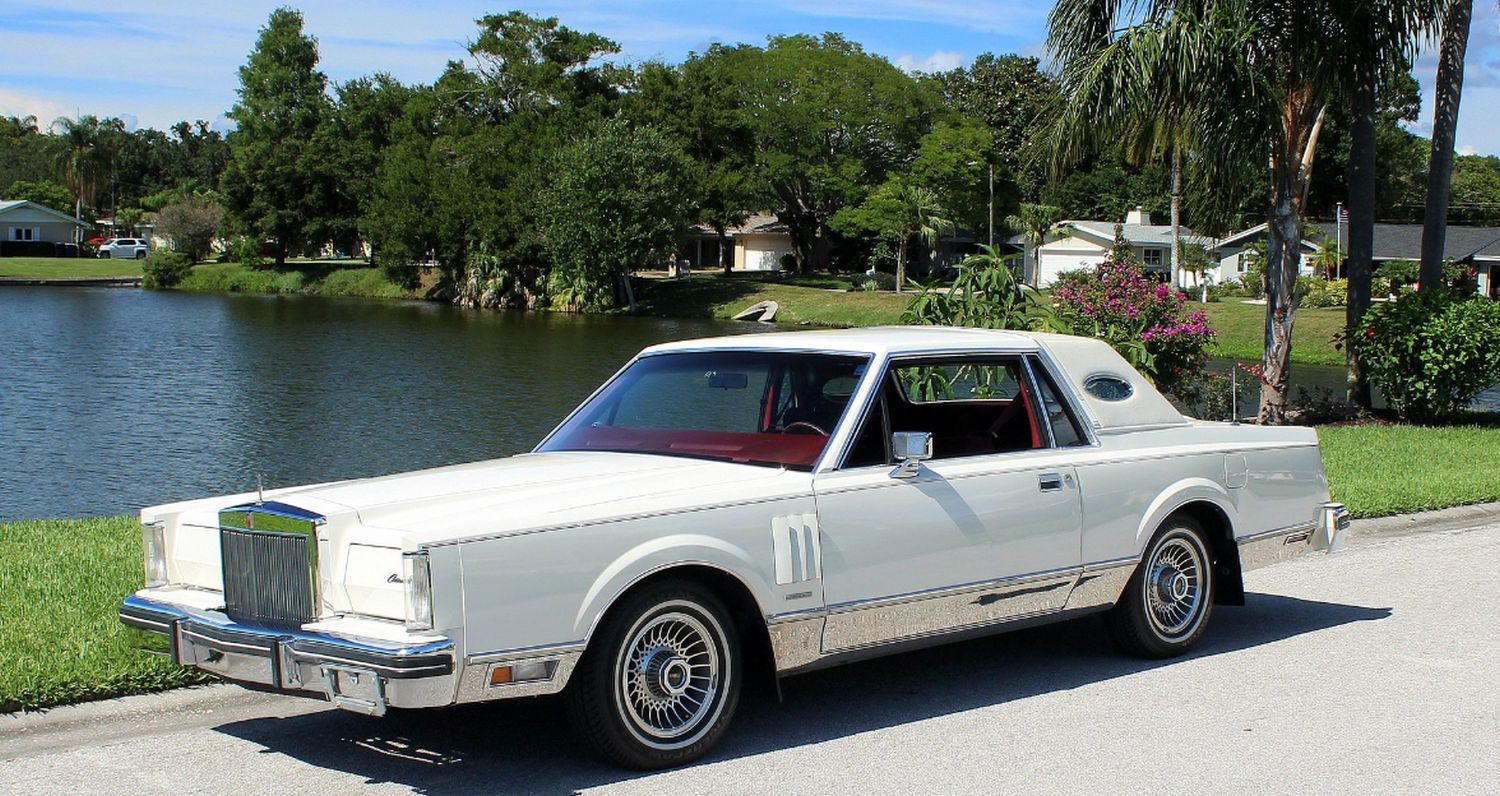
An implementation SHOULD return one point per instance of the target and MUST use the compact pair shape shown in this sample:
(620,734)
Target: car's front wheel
(1166,605)
(661,680)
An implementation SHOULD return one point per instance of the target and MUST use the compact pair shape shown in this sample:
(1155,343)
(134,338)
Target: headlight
(154,535)
(417,574)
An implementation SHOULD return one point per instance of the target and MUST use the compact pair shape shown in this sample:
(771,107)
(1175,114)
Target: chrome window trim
(1089,423)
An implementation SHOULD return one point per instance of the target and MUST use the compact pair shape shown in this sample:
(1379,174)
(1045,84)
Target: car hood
(536,490)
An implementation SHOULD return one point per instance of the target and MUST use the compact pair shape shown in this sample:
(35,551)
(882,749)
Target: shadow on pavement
(525,745)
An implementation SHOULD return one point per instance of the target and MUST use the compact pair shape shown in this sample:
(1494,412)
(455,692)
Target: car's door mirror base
(910,448)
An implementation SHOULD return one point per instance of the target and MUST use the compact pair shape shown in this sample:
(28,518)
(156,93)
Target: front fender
(658,555)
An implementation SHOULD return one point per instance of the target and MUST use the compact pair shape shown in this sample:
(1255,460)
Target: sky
(153,63)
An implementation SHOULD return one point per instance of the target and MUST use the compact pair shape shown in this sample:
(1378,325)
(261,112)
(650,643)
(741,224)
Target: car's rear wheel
(660,682)
(1166,604)
(140,255)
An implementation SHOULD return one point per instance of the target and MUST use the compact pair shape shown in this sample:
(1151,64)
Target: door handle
(1050,482)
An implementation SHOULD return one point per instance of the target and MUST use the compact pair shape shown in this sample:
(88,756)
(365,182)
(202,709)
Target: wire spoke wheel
(1175,586)
(670,671)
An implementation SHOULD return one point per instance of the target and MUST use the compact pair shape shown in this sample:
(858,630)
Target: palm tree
(922,219)
(1449,90)
(1033,222)
(1251,78)
(87,160)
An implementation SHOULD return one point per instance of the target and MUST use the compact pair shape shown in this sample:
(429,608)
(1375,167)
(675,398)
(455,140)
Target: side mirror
(910,448)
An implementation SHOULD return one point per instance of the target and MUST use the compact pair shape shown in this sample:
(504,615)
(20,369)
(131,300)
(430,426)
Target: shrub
(1144,319)
(165,270)
(879,280)
(987,294)
(191,225)
(1431,352)
(244,250)
(1319,292)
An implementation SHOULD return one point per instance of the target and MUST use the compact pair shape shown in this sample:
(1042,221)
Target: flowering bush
(1430,353)
(1144,319)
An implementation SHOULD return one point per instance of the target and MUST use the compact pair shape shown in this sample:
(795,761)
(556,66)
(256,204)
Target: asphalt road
(1370,671)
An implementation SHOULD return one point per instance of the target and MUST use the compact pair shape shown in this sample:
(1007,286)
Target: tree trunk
(1361,229)
(1176,269)
(726,262)
(1449,90)
(900,263)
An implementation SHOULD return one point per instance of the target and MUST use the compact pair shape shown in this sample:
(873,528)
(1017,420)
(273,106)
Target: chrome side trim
(885,619)
(796,641)
(1101,584)
(1325,532)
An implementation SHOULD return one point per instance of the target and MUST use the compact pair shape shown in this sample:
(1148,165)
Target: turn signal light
(500,675)
(523,672)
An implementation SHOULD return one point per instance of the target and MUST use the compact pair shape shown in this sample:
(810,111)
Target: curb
(1458,518)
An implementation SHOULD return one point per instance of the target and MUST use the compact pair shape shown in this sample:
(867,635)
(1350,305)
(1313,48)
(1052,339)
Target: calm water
(115,399)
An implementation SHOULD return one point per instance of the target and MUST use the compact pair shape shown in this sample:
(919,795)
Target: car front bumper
(358,674)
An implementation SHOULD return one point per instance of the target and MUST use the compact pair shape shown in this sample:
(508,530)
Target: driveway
(1373,670)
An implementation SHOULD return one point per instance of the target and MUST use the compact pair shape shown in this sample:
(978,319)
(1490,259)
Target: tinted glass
(1066,430)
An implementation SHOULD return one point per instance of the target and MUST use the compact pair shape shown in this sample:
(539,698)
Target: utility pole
(992,206)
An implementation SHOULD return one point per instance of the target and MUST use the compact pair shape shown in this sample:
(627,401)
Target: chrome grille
(269,554)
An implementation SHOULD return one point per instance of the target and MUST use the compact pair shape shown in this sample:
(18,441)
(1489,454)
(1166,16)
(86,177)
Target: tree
(1449,91)
(829,123)
(86,158)
(273,184)
(614,205)
(921,220)
(191,225)
(43,192)
(1010,96)
(1251,78)
(1033,222)
(350,143)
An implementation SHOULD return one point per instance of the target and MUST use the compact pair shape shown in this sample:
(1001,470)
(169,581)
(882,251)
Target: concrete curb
(1458,518)
(73,281)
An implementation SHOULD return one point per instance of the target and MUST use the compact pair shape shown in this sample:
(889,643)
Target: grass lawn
(1381,470)
(60,638)
(61,267)
(1241,329)
(815,300)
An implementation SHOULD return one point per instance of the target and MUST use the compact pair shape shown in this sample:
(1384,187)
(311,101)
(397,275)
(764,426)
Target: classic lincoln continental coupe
(745,506)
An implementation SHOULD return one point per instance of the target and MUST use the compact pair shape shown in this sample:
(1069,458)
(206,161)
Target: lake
(113,399)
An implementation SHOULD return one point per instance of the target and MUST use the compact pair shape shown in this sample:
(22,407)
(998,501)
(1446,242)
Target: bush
(988,294)
(1431,352)
(191,225)
(165,270)
(1318,292)
(245,251)
(1144,319)
(879,280)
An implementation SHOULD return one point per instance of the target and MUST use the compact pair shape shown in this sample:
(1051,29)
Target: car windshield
(752,407)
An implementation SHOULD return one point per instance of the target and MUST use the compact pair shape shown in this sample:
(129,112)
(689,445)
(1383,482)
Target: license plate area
(354,689)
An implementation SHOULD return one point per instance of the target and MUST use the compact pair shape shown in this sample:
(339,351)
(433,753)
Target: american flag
(1343,214)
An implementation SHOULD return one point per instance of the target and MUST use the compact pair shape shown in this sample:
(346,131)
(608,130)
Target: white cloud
(15,103)
(939,61)
(1468,149)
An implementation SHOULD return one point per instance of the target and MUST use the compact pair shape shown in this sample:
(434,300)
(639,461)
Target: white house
(28,223)
(1076,245)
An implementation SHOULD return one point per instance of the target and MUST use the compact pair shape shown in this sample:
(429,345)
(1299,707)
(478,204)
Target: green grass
(325,278)
(1378,470)
(60,639)
(62,580)
(817,300)
(1241,329)
(61,267)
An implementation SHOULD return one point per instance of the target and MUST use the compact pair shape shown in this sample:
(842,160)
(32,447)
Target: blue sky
(153,63)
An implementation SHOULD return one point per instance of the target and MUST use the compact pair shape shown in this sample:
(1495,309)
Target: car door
(987,530)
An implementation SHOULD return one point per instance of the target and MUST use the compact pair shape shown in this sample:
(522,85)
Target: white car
(125,249)
(742,507)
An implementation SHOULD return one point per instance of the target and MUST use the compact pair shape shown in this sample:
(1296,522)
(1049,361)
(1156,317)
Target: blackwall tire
(1166,604)
(660,681)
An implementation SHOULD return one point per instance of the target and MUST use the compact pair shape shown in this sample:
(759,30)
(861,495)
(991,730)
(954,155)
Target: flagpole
(1338,231)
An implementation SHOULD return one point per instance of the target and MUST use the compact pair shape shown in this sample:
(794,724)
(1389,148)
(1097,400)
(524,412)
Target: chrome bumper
(1326,533)
(363,675)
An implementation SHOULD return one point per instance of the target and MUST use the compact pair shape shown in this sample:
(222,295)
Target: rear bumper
(362,675)
(1326,532)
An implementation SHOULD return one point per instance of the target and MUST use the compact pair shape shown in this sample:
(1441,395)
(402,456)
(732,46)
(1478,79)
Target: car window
(971,407)
(1066,430)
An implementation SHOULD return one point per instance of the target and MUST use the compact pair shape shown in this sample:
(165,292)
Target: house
(1075,245)
(30,229)
(759,244)
(1478,247)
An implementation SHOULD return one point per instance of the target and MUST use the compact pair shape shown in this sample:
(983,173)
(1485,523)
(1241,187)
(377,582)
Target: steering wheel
(812,427)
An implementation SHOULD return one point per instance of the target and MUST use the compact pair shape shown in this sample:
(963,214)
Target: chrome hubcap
(670,676)
(1174,593)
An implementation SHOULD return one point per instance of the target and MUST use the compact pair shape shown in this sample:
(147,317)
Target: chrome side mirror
(910,448)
